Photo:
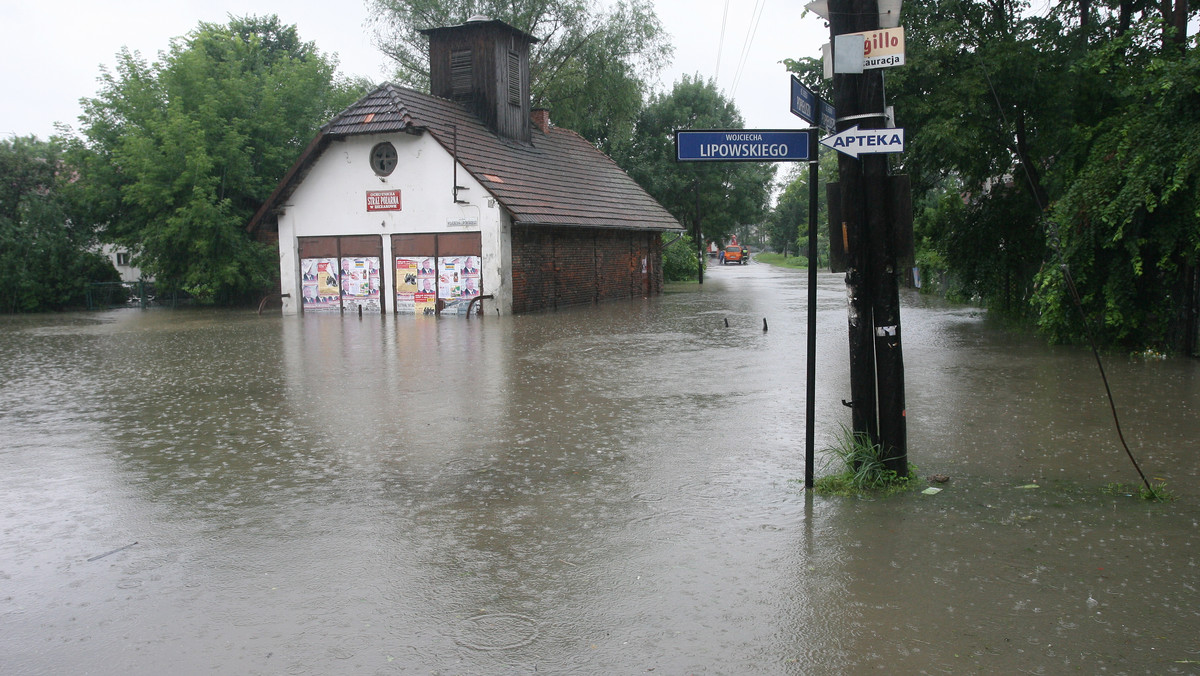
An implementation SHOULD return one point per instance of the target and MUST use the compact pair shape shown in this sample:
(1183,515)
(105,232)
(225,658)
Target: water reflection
(600,490)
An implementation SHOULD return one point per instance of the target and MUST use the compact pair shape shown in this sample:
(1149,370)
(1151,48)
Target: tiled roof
(557,179)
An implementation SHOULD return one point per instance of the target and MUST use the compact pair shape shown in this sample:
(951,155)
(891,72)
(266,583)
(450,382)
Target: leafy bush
(679,259)
(45,253)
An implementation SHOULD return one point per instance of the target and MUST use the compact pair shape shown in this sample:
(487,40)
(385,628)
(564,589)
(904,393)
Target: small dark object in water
(764,324)
(118,549)
(938,478)
(727,322)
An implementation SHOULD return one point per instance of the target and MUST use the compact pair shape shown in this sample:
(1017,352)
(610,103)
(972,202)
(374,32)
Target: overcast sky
(52,51)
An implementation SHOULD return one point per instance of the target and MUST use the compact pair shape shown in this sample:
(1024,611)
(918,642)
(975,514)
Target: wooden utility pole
(868,231)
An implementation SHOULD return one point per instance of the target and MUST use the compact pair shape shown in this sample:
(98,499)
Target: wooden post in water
(872,283)
(855,97)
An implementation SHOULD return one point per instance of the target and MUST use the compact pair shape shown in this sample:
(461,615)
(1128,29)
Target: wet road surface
(603,490)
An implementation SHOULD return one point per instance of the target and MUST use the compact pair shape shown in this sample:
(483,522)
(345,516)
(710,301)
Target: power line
(721,42)
(751,31)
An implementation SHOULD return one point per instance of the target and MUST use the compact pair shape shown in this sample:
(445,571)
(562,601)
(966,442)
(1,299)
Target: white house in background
(121,258)
(414,203)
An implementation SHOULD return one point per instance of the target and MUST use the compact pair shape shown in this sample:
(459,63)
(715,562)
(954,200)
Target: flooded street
(603,490)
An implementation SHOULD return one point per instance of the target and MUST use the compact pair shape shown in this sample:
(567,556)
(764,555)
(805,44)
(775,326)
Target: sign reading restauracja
(883,48)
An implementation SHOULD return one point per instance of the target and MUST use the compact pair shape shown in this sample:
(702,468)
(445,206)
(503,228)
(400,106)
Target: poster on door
(422,281)
(458,282)
(319,285)
(406,284)
(416,285)
(360,284)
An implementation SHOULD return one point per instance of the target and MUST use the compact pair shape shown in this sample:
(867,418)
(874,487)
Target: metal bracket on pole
(863,116)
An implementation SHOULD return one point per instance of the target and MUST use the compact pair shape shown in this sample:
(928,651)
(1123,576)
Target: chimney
(483,64)
(541,118)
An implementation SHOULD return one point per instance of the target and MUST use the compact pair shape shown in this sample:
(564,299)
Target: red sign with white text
(383,200)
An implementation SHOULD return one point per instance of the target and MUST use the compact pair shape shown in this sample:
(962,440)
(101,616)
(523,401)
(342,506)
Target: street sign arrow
(853,142)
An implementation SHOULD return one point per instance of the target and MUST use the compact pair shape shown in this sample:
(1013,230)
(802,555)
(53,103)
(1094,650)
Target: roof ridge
(558,177)
(398,103)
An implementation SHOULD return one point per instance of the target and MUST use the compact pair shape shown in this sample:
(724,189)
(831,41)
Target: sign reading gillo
(883,48)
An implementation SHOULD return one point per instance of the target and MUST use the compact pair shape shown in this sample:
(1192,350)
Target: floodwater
(604,490)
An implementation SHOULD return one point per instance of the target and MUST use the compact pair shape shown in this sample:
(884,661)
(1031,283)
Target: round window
(383,158)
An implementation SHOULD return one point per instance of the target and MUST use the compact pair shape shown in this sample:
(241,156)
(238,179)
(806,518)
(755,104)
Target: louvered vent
(460,74)
(514,78)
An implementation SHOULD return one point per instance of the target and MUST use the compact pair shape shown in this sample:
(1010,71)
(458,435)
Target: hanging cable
(1051,234)
(721,42)
(751,31)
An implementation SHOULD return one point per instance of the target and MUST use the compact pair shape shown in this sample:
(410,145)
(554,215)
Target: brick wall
(559,267)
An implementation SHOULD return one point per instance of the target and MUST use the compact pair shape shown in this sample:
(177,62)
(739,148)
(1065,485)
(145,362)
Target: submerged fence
(140,294)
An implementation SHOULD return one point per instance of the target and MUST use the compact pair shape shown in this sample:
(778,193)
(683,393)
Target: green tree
(591,66)
(789,217)
(713,197)
(1013,115)
(1128,225)
(48,258)
(787,225)
(990,100)
(177,155)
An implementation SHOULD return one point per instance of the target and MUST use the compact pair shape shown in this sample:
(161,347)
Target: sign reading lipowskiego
(741,145)
(853,142)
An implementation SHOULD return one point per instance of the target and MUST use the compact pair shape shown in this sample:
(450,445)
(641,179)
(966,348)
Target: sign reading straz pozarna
(741,145)
(383,200)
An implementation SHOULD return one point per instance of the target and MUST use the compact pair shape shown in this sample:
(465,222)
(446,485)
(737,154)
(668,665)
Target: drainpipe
(454,157)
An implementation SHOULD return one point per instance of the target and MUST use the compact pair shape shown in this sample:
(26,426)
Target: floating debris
(118,549)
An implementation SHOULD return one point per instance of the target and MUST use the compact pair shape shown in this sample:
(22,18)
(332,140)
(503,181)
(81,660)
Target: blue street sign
(811,108)
(828,122)
(741,145)
(804,102)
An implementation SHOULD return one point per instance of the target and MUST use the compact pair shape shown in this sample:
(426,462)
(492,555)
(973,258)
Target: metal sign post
(812,109)
(757,145)
(810,390)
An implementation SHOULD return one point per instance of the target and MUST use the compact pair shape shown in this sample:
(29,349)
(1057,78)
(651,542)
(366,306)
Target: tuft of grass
(1155,493)
(779,260)
(863,469)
